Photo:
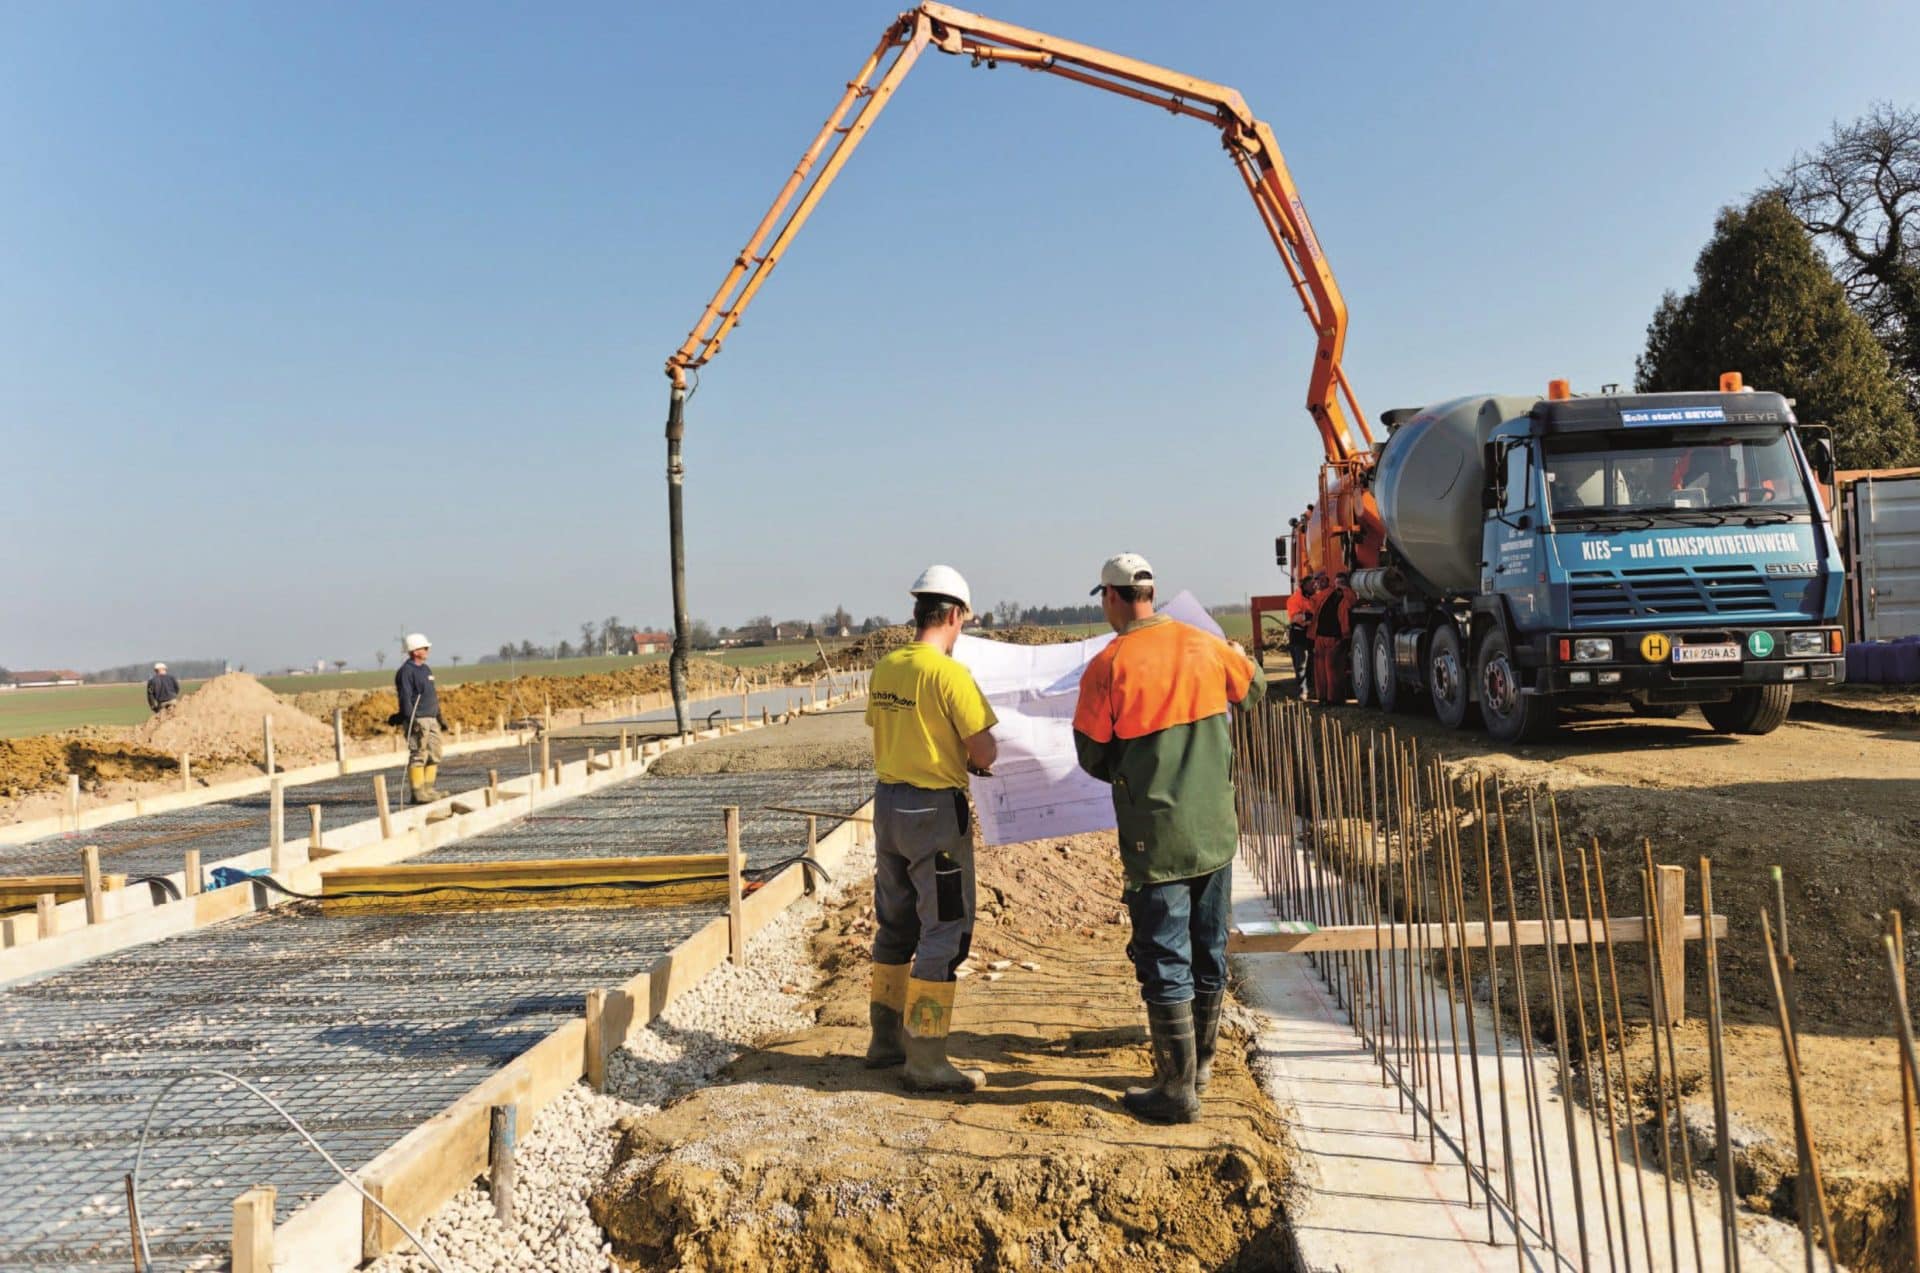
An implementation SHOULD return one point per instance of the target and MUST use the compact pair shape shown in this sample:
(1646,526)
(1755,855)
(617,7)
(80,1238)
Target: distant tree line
(181,669)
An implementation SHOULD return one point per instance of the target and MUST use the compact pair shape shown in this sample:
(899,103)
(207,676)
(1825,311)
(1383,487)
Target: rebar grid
(362,1025)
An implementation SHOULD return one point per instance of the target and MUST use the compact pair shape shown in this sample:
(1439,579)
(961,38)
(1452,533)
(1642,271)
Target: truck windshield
(1731,470)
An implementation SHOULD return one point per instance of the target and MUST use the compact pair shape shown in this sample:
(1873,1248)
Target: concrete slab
(1374,1195)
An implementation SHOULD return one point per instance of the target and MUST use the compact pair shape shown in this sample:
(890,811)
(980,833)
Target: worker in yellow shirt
(931,726)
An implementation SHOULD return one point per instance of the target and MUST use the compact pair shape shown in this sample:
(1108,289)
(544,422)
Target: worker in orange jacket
(1152,721)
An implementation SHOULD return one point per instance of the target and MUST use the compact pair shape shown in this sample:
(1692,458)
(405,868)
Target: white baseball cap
(1123,570)
(943,581)
(418,641)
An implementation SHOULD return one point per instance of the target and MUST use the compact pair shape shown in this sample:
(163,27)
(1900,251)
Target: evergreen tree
(1766,305)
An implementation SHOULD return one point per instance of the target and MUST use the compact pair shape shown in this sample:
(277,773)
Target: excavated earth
(799,1158)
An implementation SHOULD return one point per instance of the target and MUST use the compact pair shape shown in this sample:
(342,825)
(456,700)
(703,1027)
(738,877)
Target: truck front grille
(1667,592)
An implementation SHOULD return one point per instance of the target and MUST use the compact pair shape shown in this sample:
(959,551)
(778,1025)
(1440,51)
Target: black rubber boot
(1171,1099)
(1206,1033)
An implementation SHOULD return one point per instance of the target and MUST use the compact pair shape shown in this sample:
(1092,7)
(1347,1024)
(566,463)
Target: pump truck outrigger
(1410,606)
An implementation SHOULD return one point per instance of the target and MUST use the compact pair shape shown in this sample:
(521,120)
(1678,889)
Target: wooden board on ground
(664,880)
(21,892)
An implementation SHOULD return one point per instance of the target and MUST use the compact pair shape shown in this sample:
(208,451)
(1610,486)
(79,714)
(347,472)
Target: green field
(26,712)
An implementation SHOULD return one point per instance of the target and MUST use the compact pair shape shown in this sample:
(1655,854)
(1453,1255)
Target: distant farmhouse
(40,680)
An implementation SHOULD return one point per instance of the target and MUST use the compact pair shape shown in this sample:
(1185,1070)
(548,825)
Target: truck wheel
(1447,677)
(1386,680)
(1758,709)
(1511,716)
(1362,655)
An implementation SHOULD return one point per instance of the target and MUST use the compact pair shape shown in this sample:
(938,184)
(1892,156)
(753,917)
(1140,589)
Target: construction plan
(1038,788)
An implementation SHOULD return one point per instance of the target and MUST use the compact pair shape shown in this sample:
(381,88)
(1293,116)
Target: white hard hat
(159,667)
(943,581)
(418,641)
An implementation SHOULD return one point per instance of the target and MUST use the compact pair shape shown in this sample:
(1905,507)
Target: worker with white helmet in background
(163,691)
(931,726)
(420,712)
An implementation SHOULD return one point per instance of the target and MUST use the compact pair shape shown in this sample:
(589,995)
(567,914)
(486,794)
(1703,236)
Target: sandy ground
(1835,801)
(797,1157)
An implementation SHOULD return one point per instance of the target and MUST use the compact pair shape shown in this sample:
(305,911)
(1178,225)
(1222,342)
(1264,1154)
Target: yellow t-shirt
(922,705)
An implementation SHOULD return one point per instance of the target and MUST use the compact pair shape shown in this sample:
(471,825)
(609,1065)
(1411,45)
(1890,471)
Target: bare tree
(380,658)
(454,659)
(1859,196)
(1007,612)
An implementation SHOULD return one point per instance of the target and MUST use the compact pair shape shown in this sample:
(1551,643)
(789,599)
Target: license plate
(1706,654)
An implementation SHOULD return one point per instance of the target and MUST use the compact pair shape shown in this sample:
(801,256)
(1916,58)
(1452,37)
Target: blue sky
(321,321)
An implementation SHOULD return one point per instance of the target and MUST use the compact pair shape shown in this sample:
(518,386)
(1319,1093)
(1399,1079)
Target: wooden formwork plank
(673,879)
(22,892)
(1305,938)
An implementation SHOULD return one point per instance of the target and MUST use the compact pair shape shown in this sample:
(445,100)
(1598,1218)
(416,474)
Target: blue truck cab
(1669,550)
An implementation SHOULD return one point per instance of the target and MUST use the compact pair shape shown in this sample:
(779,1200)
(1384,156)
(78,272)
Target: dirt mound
(801,1158)
(865,650)
(42,763)
(321,704)
(477,705)
(222,719)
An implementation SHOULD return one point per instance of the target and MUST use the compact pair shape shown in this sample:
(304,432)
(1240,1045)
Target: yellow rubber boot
(929,1015)
(417,783)
(887,1013)
(430,773)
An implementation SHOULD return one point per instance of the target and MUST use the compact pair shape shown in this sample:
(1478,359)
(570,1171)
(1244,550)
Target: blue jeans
(1180,935)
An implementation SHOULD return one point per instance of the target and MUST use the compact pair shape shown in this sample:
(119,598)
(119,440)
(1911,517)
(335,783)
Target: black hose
(163,888)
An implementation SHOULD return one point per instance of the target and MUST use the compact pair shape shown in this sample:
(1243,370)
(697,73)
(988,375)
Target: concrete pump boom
(1247,140)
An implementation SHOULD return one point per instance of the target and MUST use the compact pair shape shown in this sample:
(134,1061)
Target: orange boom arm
(1248,142)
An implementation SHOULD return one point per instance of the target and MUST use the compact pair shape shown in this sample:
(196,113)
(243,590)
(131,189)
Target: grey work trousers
(423,745)
(922,879)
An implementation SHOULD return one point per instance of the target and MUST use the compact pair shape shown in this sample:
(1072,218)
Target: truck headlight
(1592,649)
(1806,645)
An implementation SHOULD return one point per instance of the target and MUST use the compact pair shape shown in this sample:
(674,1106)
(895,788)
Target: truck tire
(1511,716)
(1757,709)
(1448,677)
(1386,679)
(1361,653)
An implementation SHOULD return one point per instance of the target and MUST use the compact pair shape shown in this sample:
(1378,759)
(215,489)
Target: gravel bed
(572,1145)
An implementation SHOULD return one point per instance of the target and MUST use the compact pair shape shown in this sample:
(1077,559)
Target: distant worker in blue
(162,690)
(420,713)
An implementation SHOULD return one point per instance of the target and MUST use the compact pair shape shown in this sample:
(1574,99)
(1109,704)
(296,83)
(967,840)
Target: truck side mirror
(1489,498)
(1279,550)
(1822,456)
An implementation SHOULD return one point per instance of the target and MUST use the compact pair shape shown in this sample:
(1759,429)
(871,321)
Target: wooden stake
(596,1060)
(736,933)
(625,749)
(133,1226)
(266,730)
(190,871)
(314,844)
(813,844)
(546,758)
(1670,906)
(252,1250)
(73,799)
(381,807)
(186,771)
(340,739)
(90,872)
(47,910)
(501,1129)
(276,823)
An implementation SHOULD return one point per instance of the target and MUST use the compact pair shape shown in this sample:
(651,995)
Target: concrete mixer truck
(1508,556)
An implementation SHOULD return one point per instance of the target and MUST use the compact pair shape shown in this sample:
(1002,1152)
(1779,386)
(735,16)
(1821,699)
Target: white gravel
(571,1147)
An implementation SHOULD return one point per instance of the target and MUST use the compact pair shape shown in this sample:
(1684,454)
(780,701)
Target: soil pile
(801,1158)
(42,763)
(865,650)
(477,705)
(321,704)
(222,720)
